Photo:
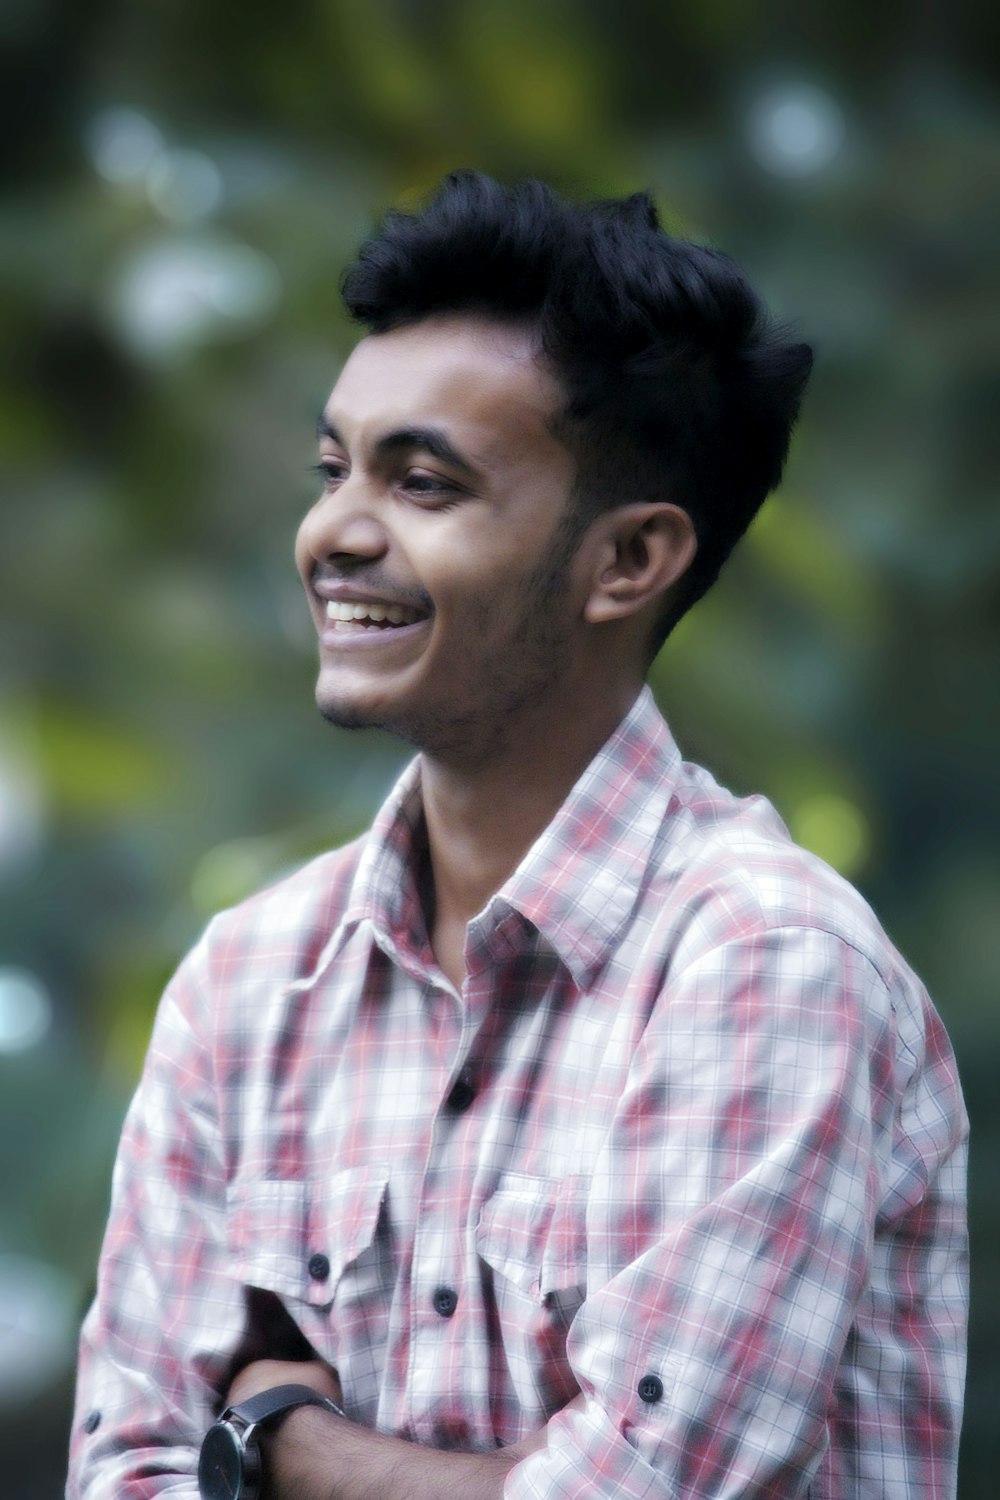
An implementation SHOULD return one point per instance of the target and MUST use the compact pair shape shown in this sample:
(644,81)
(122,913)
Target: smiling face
(439,559)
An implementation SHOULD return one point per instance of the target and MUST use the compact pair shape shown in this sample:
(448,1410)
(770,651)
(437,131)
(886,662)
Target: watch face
(221,1467)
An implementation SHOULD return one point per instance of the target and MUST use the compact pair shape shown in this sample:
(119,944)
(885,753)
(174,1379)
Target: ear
(642,550)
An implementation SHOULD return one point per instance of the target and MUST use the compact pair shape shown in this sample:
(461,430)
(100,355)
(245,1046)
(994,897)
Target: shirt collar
(579,881)
(385,891)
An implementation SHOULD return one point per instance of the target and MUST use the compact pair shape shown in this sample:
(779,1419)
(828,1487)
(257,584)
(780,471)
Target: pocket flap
(277,1228)
(533,1232)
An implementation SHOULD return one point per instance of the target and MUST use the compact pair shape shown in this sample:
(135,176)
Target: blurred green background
(184,184)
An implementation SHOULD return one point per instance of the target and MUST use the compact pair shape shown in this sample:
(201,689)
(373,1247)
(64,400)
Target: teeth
(394,614)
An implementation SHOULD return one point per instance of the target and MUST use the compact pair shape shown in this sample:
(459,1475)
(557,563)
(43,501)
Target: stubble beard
(529,664)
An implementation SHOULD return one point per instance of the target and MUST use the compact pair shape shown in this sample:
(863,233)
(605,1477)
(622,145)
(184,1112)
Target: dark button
(650,1389)
(445,1301)
(91,1422)
(461,1096)
(319,1266)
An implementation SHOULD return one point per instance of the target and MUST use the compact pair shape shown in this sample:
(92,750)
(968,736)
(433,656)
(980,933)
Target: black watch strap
(229,1462)
(279,1398)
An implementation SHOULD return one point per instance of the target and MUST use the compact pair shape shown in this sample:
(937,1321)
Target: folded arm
(335,1459)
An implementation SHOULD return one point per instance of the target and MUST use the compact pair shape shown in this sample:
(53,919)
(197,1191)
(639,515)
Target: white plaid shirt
(690,1140)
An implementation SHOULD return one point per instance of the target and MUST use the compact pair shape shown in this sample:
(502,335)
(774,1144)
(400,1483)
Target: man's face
(438,561)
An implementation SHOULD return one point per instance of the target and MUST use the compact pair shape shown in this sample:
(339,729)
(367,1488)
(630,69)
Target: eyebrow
(430,440)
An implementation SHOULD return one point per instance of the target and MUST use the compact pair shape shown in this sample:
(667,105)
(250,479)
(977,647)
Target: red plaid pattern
(690,1140)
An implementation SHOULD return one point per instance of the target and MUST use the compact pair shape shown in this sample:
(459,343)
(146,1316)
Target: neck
(483,816)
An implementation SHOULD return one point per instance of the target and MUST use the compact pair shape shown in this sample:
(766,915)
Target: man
(573,1133)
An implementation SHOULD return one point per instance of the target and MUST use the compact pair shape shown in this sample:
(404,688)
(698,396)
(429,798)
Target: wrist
(304,1452)
(231,1458)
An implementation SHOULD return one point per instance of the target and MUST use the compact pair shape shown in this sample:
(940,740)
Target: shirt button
(461,1096)
(650,1389)
(319,1266)
(445,1301)
(91,1422)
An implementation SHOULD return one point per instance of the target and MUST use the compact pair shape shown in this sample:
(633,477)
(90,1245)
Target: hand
(265,1374)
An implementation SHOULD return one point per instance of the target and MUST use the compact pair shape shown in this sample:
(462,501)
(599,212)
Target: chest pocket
(532,1232)
(532,1236)
(303,1239)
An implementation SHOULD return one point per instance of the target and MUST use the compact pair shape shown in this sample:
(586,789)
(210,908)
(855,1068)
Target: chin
(347,713)
(343,717)
(354,713)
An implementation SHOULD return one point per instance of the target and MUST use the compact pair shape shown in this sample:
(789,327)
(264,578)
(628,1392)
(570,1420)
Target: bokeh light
(23,807)
(835,829)
(795,130)
(184,186)
(232,871)
(175,293)
(38,1327)
(25,1010)
(123,144)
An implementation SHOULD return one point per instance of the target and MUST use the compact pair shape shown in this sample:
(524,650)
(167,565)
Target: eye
(419,483)
(332,470)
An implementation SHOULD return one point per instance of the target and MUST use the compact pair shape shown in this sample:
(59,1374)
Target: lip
(369,640)
(349,593)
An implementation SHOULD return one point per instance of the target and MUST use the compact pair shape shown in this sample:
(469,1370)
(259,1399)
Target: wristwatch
(229,1464)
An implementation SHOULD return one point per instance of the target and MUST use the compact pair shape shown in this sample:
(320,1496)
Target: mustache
(375,580)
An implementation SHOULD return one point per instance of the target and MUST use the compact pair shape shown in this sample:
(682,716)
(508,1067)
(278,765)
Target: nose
(342,528)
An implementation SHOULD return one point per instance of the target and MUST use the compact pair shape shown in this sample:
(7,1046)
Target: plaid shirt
(690,1140)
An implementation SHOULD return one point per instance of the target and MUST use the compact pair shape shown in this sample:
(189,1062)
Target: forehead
(482,378)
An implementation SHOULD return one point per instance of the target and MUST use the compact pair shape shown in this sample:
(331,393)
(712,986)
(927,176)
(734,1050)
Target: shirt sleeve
(158,1342)
(775,1240)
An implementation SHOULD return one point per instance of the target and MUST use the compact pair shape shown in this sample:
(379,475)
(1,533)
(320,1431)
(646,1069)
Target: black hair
(678,385)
